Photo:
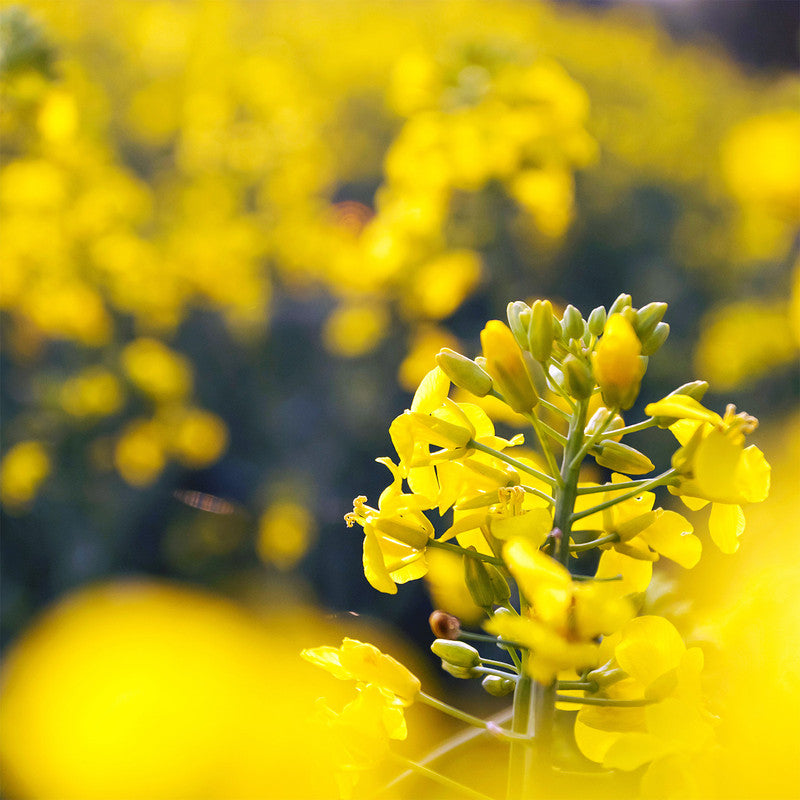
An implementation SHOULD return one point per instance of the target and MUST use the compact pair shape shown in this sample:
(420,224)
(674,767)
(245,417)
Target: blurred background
(233,236)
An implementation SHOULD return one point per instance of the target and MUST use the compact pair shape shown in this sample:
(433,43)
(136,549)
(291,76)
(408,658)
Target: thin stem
(443,780)
(503,664)
(470,719)
(542,476)
(584,546)
(603,701)
(639,426)
(538,493)
(543,443)
(587,445)
(660,480)
(587,686)
(613,487)
(519,756)
(556,410)
(500,673)
(455,548)
(562,392)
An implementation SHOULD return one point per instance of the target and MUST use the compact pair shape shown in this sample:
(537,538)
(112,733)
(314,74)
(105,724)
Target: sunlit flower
(617,363)
(364,663)
(22,471)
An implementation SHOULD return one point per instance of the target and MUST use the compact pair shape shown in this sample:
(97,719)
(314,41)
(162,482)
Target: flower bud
(572,323)
(597,321)
(464,372)
(519,318)
(459,672)
(504,363)
(617,363)
(578,376)
(623,301)
(599,419)
(622,458)
(633,527)
(653,342)
(476,576)
(459,654)
(607,674)
(695,390)
(500,589)
(440,432)
(536,373)
(497,686)
(540,333)
(444,625)
(647,317)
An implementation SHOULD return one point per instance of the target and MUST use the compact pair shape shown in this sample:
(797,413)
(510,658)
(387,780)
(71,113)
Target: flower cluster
(521,516)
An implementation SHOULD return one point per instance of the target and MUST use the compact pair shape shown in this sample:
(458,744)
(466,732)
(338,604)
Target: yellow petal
(671,535)
(374,567)
(432,391)
(726,525)
(650,646)
(635,574)
(631,750)
(681,407)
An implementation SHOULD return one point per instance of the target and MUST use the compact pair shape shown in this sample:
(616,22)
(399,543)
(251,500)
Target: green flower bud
(478,582)
(597,321)
(578,375)
(630,315)
(572,323)
(647,317)
(540,333)
(633,527)
(459,654)
(622,302)
(497,686)
(599,419)
(695,389)
(459,672)
(464,372)
(607,674)
(652,344)
(519,319)
(622,458)
(536,372)
(500,590)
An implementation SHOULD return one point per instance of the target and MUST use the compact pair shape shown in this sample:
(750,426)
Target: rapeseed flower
(618,364)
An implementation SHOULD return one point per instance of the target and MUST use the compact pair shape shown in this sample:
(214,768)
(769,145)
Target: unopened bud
(519,318)
(572,323)
(459,654)
(597,321)
(598,420)
(633,527)
(504,363)
(607,674)
(647,317)
(622,302)
(459,672)
(536,373)
(476,576)
(464,372)
(653,342)
(622,458)
(444,625)
(578,376)
(500,589)
(540,332)
(498,686)
(617,363)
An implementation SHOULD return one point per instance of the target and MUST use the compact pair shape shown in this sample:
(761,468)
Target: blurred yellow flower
(93,392)
(22,471)
(354,329)
(285,532)
(140,452)
(196,438)
(158,371)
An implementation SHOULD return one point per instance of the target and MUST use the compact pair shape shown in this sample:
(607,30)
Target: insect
(203,501)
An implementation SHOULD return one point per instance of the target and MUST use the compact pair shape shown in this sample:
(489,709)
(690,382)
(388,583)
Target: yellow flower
(395,534)
(156,370)
(93,392)
(364,663)
(359,736)
(714,466)
(617,363)
(505,364)
(23,469)
(139,454)
(646,660)
(564,617)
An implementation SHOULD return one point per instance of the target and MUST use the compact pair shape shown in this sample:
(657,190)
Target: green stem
(584,546)
(538,493)
(587,445)
(613,487)
(603,701)
(492,662)
(639,426)
(443,780)
(520,754)
(543,443)
(491,671)
(659,480)
(462,551)
(556,410)
(457,713)
(587,686)
(498,454)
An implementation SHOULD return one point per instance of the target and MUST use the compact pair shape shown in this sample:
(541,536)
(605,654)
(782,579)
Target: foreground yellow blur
(142,690)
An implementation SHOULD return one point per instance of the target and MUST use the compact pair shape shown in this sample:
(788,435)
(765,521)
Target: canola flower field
(233,237)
